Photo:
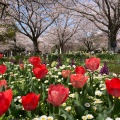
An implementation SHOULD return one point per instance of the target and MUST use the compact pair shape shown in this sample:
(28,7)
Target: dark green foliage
(107,56)
(9,33)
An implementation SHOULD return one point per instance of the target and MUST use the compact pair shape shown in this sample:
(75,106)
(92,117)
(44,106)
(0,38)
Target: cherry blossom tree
(3,6)
(32,18)
(64,28)
(105,14)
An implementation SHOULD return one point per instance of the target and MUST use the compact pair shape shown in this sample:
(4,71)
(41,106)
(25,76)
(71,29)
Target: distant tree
(88,44)
(3,6)
(89,31)
(32,18)
(65,27)
(8,33)
(87,34)
(105,14)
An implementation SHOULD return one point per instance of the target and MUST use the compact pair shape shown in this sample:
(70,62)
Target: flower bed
(32,90)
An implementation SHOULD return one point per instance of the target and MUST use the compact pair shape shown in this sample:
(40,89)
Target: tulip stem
(51,109)
(110,99)
(56,110)
(116,107)
(83,93)
(91,79)
(40,83)
(79,100)
(2,76)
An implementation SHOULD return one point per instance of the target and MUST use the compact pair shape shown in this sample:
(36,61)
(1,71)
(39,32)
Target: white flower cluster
(68,108)
(87,117)
(46,81)
(62,67)
(18,98)
(97,101)
(102,87)
(64,104)
(72,95)
(108,118)
(98,93)
(43,117)
(87,104)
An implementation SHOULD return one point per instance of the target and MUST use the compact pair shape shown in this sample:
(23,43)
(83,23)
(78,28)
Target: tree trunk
(15,52)
(89,45)
(112,41)
(35,44)
(62,48)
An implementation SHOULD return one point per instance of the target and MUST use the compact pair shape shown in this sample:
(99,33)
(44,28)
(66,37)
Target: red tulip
(113,87)
(40,71)
(3,83)
(78,80)
(66,73)
(3,69)
(30,101)
(5,100)
(34,60)
(21,66)
(80,70)
(1,55)
(92,63)
(57,94)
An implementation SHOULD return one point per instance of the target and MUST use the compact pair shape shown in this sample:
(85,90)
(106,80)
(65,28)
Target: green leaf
(101,116)
(80,110)
(110,99)
(58,117)
(117,107)
(43,91)
(105,114)
(90,91)
(109,110)
(70,117)
(63,115)
(100,108)
(29,114)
